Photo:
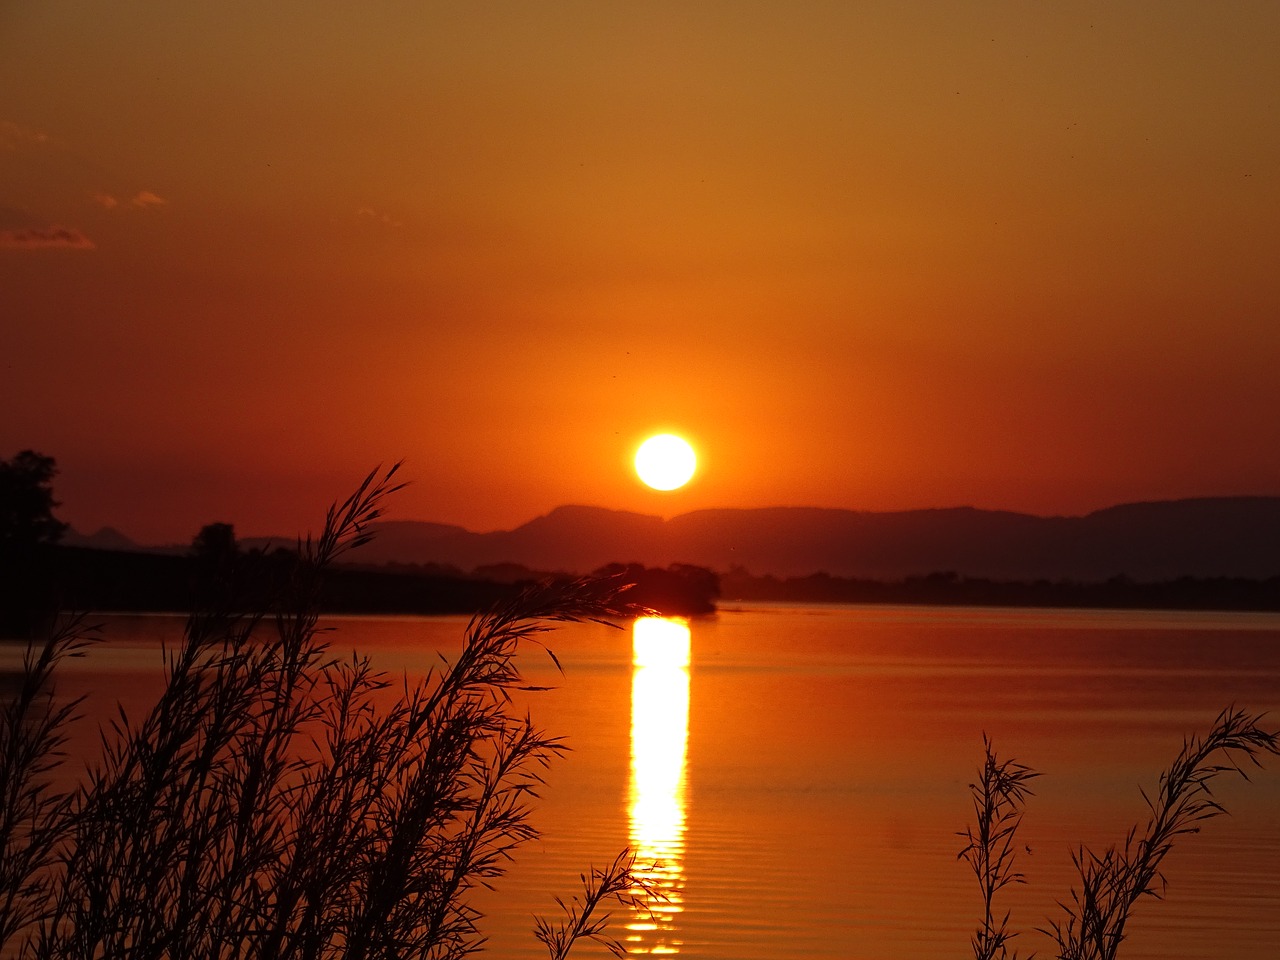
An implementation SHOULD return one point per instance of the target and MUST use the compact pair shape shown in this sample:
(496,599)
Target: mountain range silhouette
(1161,540)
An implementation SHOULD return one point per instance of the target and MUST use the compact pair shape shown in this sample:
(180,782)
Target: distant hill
(1206,537)
(569,539)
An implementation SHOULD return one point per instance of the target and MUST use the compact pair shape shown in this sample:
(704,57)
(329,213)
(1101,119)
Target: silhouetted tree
(215,543)
(27,529)
(703,581)
(216,563)
(26,501)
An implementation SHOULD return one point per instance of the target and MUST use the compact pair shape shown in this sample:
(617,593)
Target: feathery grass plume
(1112,882)
(278,802)
(34,811)
(619,882)
(999,796)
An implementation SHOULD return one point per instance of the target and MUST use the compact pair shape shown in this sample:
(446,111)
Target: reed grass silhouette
(281,802)
(999,796)
(1113,881)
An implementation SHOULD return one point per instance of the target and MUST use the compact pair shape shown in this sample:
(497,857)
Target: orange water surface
(793,779)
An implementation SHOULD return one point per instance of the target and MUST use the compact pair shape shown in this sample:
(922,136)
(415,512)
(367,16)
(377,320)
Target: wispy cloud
(15,135)
(142,200)
(372,215)
(36,238)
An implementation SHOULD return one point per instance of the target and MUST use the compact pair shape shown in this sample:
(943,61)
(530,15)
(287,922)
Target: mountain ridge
(1237,536)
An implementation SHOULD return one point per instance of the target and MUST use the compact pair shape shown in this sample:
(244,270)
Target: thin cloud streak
(141,200)
(15,135)
(370,214)
(49,238)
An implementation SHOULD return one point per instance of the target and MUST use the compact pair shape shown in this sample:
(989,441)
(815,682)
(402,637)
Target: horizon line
(111,529)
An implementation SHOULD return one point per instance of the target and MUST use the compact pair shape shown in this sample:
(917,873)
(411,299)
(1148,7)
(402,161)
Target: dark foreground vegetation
(278,801)
(281,802)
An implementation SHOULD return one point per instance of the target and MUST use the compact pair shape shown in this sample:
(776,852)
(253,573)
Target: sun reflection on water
(659,738)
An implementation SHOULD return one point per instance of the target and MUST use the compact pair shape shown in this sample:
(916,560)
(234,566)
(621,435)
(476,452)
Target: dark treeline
(110,580)
(81,578)
(948,588)
(213,573)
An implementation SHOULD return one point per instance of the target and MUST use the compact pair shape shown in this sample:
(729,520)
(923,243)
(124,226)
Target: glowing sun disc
(665,462)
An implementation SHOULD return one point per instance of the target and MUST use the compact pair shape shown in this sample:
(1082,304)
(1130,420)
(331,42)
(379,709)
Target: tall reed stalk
(999,796)
(279,801)
(35,812)
(1111,882)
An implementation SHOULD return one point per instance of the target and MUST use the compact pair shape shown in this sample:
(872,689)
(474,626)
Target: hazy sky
(874,255)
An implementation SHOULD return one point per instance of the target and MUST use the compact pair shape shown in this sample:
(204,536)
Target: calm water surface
(800,773)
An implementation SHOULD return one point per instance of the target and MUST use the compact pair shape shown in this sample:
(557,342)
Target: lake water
(801,772)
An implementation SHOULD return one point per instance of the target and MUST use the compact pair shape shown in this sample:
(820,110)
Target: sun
(665,462)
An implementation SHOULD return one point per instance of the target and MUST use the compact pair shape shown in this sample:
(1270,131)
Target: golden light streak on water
(659,741)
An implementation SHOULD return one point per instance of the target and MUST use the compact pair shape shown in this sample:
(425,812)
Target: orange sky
(871,255)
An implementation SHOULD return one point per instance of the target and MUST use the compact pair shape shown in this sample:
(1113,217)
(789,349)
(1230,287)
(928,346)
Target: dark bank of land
(80,578)
(56,577)
(947,588)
